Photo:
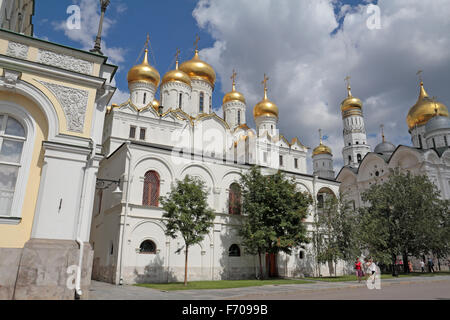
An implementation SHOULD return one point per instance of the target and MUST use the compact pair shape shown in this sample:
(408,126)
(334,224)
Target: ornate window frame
(26,120)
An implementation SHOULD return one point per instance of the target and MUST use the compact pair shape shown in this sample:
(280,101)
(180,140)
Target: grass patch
(383,276)
(223,284)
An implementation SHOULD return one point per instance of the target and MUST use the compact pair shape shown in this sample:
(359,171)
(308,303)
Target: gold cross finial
(147,42)
(197,39)
(349,88)
(419,73)
(233,77)
(382,132)
(265,85)
(320,136)
(176,58)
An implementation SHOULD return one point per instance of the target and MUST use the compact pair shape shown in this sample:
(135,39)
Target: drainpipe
(128,143)
(80,242)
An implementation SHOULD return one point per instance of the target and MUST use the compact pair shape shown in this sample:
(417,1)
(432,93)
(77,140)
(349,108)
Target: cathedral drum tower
(355,138)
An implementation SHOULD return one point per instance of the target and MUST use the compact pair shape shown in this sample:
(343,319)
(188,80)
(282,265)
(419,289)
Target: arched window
(202,102)
(301,255)
(12,140)
(349,159)
(234,206)
(145,98)
(147,247)
(151,189)
(234,251)
(359,158)
(180,101)
(239,117)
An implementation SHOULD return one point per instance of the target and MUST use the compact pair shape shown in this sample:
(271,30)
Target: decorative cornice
(17,50)
(65,62)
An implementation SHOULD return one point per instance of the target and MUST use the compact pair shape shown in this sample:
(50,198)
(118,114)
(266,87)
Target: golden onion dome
(322,149)
(176,75)
(351,102)
(425,109)
(198,69)
(265,108)
(234,95)
(144,72)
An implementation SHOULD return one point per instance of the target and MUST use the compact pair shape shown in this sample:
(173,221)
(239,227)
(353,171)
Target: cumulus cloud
(307,48)
(90,17)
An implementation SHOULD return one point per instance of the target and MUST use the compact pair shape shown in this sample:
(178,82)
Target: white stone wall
(171,96)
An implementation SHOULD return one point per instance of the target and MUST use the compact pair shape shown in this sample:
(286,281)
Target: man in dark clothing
(430,265)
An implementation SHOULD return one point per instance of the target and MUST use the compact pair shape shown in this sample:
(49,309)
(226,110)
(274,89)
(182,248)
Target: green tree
(274,211)
(187,213)
(335,236)
(402,217)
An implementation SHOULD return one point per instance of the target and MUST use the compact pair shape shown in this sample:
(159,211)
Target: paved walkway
(105,291)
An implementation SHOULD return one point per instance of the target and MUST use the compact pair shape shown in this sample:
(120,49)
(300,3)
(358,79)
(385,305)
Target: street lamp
(97,48)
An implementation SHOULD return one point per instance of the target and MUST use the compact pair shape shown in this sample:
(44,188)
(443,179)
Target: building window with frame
(13,137)
(281,161)
(202,102)
(145,98)
(296,163)
(151,189)
(234,201)
(210,105)
(142,134)
(147,247)
(132,132)
(239,117)
(180,101)
(234,251)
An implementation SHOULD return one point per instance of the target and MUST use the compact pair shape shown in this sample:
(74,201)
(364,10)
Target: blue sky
(170,24)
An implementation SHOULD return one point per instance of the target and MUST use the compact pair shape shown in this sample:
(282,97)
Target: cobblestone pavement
(105,291)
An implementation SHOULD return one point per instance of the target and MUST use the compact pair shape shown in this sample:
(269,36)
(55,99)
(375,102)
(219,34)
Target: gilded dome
(424,109)
(351,102)
(322,149)
(176,75)
(198,69)
(265,108)
(234,96)
(144,72)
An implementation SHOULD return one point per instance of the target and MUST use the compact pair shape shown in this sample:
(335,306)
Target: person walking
(359,272)
(430,265)
(422,265)
(410,266)
(372,268)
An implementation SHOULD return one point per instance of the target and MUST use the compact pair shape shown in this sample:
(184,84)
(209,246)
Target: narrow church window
(359,158)
(180,101)
(420,142)
(445,140)
(434,143)
(349,159)
(111,252)
(142,134)
(301,255)
(147,247)
(225,116)
(12,141)
(210,104)
(132,132)
(202,101)
(281,161)
(296,163)
(234,200)
(234,251)
(239,118)
(145,98)
(151,189)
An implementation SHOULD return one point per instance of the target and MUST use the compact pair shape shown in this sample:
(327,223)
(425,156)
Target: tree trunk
(394,267)
(186,266)
(261,274)
(439,264)
(405,262)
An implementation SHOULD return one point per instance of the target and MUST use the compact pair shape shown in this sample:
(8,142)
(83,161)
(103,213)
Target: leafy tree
(403,216)
(187,213)
(335,235)
(274,212)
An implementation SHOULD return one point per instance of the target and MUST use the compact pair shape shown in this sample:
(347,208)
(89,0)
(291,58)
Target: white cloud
(90,17)
(293,42)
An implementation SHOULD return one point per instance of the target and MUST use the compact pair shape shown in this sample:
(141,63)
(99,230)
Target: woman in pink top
(358,267)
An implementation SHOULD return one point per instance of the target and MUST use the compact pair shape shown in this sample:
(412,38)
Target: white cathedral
(150,143)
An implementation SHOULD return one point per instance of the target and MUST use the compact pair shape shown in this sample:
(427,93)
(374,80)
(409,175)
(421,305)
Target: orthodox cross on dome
(382,133)
(176,58)
(320,136)
(419,73)
(349,88)
(233,77)
(145,49)
(264,82)
(197,39)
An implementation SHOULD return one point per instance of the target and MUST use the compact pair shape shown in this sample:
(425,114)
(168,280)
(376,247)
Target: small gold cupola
(144,72)
(176,75)
(322,149)
(265,107)
(351,104)
(234,95)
